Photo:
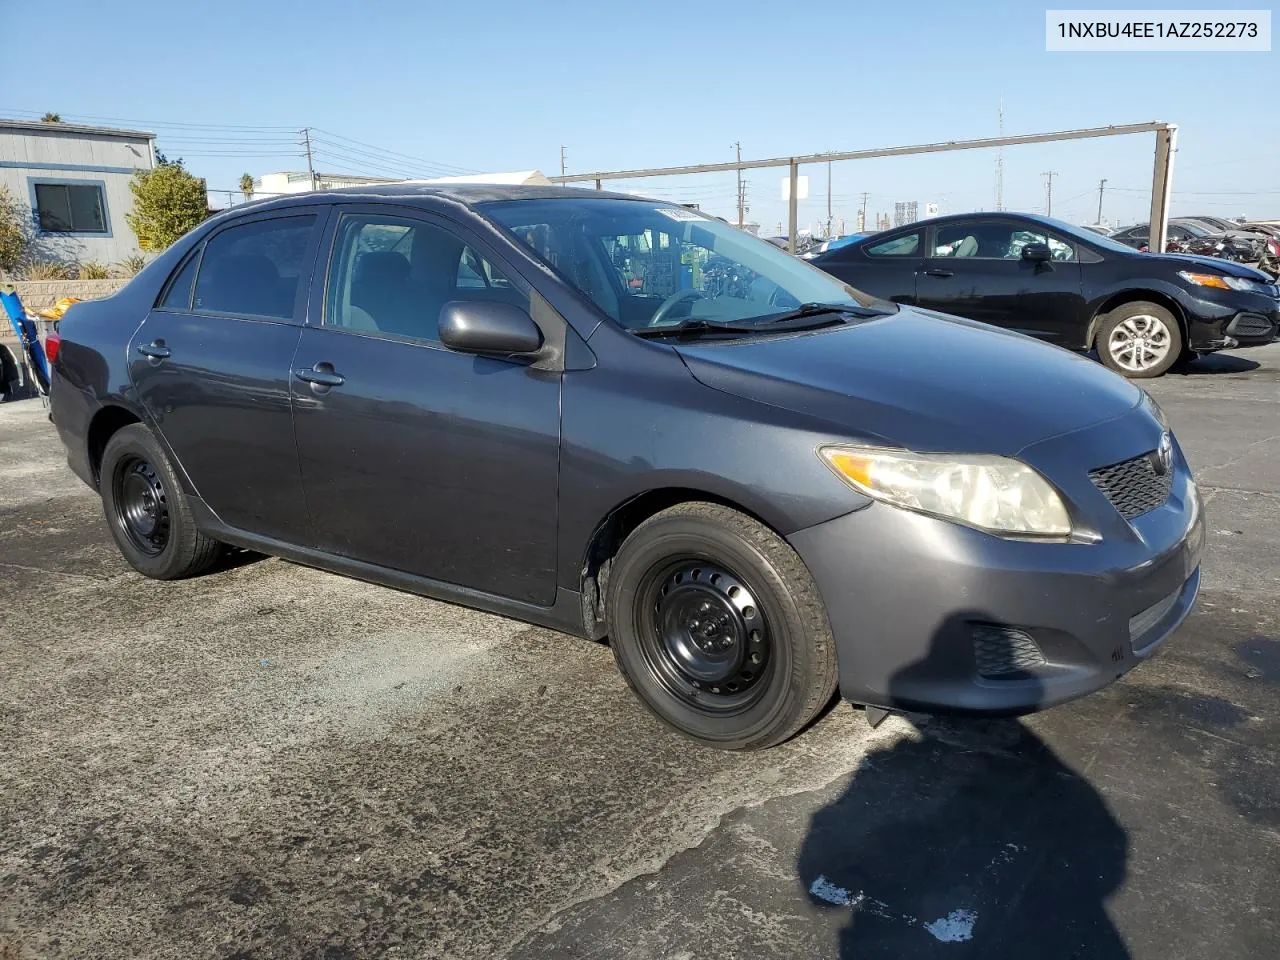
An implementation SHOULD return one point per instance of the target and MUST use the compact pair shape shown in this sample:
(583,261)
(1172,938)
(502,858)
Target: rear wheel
(1139,340)
(718,627)
(146,510)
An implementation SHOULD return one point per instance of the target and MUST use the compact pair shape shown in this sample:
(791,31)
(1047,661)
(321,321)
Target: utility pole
(862,217)
(1048,191)
(1000,162)
(742,200)
(1101,183)
(306,142)
(562,159)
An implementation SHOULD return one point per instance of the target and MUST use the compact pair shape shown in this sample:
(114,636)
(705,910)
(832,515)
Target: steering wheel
(669,304)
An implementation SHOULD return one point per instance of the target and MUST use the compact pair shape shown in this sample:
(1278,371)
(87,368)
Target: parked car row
(1143,313)
(757,481)
(1188,235)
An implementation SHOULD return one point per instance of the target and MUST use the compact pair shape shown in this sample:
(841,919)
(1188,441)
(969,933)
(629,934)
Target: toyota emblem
(1164,454)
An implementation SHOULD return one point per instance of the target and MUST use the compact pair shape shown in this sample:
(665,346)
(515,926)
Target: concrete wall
(62,153)
(36,295)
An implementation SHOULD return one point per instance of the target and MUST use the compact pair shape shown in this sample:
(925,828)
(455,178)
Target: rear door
(414,457)
(211,363)
(975,268)
(884,266)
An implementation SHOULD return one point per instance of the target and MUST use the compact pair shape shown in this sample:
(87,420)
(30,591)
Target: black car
(1066,285)
(620,417)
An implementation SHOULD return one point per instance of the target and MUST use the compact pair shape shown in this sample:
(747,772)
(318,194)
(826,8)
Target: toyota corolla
(619,418)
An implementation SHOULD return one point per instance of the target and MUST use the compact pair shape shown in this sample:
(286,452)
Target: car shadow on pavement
(964,839)
(1217,364)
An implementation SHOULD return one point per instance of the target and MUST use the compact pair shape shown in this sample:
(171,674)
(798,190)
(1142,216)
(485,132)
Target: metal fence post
(792,206)
(1161,188)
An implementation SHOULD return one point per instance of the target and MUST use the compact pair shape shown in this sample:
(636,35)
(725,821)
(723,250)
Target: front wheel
(717,626)
(1139,340)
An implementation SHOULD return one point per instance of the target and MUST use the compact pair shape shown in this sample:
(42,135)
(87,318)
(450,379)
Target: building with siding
(74,181)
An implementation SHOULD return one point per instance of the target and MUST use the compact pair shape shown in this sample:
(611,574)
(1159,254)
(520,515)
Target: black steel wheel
(718,627)
(141,506)
(147,512)
(704,636)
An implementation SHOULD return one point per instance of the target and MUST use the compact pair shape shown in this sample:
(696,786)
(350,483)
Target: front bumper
(1251,319)
(919,606)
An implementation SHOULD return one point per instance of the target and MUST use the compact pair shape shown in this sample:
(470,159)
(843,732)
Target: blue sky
(501,85)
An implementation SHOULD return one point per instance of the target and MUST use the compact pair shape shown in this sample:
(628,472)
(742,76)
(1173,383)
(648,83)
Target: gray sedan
(623,419)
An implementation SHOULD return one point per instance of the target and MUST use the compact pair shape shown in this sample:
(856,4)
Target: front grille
(1133,486)
(1001,650)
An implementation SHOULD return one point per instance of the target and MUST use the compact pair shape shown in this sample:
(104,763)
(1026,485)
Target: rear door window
(255,269)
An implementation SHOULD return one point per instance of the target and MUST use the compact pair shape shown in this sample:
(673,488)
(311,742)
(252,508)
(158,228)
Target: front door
(975,269)
(211,363)
(415,457)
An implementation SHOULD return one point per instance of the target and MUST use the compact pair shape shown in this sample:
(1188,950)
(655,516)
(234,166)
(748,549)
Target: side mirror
(488,327)
(1037,252)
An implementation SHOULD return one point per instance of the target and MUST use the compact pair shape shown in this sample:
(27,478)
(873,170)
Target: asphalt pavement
(271,761)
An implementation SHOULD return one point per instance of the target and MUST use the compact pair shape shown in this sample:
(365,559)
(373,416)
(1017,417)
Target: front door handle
(321,375)
(156,350)
(939,273)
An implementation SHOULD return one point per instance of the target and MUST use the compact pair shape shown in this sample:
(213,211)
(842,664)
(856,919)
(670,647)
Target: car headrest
(382,267)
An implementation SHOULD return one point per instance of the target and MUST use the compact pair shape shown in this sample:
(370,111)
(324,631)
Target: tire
(147,512)
(1139,340)
(759,664)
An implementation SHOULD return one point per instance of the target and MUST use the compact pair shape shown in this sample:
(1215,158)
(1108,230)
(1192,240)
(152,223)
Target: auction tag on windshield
(677,213)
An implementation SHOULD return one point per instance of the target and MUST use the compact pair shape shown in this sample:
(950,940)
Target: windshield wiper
(818,309)
(690,326)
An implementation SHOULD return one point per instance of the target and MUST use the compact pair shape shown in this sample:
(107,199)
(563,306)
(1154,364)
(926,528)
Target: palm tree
(51,118)
(246,186)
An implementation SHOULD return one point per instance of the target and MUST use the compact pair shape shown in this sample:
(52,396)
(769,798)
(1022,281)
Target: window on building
(71,208)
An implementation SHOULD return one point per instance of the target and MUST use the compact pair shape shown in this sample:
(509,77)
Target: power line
(79,117)
(395,154)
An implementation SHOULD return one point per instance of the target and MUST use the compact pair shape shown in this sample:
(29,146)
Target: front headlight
(1219,282)
(996,494)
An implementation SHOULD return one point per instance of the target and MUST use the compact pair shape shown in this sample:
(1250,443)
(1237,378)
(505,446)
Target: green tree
(167,202)
(13,236)
(51,118)
(246,186)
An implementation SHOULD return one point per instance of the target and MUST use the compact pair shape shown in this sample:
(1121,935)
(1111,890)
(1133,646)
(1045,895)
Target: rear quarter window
(904,246)
(177,295)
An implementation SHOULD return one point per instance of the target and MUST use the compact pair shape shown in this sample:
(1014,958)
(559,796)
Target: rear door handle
(156,350)
(939,273)
(321,375)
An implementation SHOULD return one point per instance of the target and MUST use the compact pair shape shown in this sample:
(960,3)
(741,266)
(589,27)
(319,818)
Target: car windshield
(645,263)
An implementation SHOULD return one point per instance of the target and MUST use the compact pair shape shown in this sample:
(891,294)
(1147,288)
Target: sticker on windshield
(677,213)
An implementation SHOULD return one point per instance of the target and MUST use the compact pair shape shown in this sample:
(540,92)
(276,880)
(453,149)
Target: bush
(13,238)
(167,202)
(92,270)
(131,266)
(49,270)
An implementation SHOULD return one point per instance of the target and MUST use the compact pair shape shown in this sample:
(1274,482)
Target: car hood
(921,380)
(1228,267)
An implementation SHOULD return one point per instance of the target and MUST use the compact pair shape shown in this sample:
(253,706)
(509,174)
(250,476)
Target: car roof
(411,193)
(985,214)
